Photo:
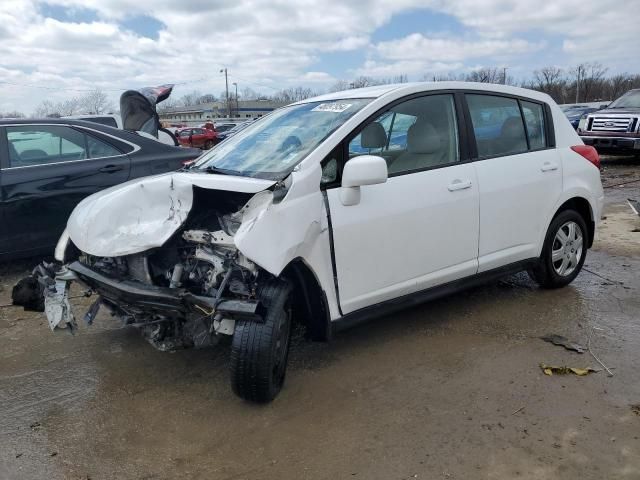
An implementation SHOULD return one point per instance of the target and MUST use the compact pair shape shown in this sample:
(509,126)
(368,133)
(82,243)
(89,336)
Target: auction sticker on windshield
(332,107)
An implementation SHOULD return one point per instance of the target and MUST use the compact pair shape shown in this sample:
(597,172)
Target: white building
(215,111)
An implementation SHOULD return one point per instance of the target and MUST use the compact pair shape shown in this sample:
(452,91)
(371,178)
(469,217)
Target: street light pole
(237,104)
(226,83)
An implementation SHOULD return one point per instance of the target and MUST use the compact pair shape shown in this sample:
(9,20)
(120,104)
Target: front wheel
(208,145)
(259,350)
(563,252)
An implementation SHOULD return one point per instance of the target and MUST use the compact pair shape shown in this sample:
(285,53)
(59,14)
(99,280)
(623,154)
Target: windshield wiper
(220,171)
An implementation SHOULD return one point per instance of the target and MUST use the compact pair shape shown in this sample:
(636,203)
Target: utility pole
(578,73)
(226,83)
(504,75)
(237,104)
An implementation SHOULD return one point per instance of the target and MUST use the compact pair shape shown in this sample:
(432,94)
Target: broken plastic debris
(57,307)
(564,342)
(581,372)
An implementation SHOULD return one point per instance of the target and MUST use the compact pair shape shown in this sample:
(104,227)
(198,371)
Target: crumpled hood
(143,213)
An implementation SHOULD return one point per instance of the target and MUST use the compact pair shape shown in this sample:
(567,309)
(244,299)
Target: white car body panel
(406,235)
(516,192)
(143,213)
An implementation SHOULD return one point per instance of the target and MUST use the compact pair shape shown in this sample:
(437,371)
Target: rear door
(48,170)
(519,176)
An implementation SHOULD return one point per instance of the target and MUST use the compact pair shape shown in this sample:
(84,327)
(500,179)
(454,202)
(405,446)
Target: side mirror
(359,171)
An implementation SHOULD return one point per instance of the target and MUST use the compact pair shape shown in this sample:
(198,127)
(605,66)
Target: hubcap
(566,251)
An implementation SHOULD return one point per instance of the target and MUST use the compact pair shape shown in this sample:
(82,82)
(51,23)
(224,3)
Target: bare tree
(207,98)
(248,93)
(191,98)
(95,102)
(550,80)
(442,77)
(594,81)
(618,84)
(547,77)
(45,109)
(68,107)
(293,94)
(13,114)
(487,75)
(339,86)
(402,78)
(168,104)
(363,81)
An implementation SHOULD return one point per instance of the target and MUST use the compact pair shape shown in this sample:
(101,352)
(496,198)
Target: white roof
(398,88)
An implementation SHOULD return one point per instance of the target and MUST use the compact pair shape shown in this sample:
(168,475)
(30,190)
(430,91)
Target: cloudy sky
(70,46)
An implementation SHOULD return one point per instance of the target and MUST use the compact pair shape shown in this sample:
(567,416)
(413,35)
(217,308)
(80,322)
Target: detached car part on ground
(330,211)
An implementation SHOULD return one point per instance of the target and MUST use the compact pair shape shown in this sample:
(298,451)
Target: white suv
(332,210)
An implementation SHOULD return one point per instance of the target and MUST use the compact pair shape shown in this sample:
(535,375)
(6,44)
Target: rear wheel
(259,350)
(208,144)
(564,251)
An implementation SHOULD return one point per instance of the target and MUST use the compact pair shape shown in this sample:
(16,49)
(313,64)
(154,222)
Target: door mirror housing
(360,171)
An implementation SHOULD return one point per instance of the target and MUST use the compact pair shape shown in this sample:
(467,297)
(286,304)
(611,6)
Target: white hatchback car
(334,209)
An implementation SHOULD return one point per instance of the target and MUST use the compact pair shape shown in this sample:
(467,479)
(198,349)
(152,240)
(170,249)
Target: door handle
(110,169)
(458,184)
(548,166)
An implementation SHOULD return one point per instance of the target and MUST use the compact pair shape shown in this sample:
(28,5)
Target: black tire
(259,350)
(208,145)
(546,273)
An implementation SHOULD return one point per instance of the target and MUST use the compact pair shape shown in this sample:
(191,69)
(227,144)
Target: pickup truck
(615,129)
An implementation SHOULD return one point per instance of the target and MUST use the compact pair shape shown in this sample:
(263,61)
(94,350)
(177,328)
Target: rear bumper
(168,302)
(613,143)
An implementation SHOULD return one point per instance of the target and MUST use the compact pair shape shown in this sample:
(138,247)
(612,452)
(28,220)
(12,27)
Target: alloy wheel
(567,248)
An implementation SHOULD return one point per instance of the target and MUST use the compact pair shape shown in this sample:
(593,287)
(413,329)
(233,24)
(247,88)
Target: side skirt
(390,306)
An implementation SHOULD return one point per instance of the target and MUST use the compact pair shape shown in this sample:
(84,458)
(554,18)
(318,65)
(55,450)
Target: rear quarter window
(534,120)
(107,145)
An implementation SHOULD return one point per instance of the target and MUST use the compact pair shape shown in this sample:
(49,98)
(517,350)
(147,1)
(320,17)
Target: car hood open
(144,213)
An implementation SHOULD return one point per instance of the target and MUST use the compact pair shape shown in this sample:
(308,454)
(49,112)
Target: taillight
(588,152)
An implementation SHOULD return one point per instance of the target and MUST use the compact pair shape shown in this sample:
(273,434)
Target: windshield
(274,145)
(628,100)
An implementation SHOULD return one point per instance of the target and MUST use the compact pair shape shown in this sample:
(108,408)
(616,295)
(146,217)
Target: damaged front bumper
(164,301)
(175,317)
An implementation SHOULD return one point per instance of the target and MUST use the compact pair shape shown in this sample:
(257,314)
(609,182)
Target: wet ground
(451,389)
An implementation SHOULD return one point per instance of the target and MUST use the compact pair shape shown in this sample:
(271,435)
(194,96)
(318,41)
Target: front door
(198,138)
(420,228)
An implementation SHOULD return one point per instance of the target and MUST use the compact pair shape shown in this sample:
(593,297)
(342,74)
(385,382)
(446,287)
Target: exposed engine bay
(186,293)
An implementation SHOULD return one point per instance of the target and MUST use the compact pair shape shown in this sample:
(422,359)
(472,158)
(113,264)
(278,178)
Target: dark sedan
(574,114)
(48,166)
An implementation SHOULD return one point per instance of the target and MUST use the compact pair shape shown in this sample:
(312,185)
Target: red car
(197,137)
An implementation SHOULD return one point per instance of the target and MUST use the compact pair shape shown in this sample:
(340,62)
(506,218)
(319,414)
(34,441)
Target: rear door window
(497,124)
(31,145)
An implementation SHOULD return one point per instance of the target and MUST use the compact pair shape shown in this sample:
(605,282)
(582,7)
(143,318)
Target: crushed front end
(188,292)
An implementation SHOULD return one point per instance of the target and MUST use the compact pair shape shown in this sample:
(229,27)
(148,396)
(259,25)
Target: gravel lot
(450,389)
